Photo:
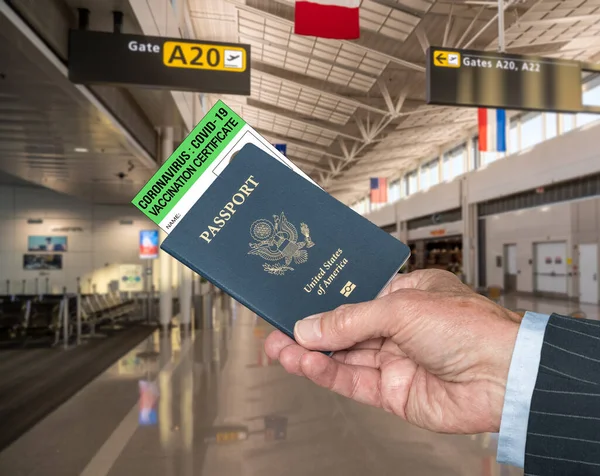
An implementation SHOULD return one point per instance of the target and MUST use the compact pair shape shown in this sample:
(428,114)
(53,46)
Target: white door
(551,267)
(511,259)
(588,273)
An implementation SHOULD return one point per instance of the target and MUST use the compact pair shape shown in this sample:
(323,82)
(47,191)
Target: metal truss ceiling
(350,110)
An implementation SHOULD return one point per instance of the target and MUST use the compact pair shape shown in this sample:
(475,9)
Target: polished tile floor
(225,409)
(548,306)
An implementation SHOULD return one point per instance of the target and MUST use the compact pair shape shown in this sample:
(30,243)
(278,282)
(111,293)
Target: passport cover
(280,245)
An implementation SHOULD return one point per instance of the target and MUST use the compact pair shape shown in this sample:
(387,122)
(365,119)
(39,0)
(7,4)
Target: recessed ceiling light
(80,149)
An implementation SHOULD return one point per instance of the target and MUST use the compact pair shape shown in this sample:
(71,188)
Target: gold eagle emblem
(278,243)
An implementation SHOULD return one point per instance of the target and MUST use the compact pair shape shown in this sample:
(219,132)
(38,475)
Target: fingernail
(309,329)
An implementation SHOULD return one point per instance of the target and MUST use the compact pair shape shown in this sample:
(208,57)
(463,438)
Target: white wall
(563,158)
(442,197)
(524,228)
(384,216)
(103,240)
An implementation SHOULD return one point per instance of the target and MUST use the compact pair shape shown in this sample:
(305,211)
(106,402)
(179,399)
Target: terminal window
(453,163)
(531,130)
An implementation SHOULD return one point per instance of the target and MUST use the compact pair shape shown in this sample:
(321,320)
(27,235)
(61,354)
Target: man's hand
(429,350)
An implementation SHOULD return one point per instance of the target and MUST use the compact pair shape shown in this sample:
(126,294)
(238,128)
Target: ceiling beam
(430,125)
(422,37)
(286,76)
(310,163)
(361,128)
(549,43)
(448,26)
(298,143)
(250,38)
(386,96)
(344,150)
(378,129)
(368,165)
(418,14)
(557,21)
(353,44)
(410,145)
(356,149)
(295,117)
(352,191)
(487,25)
(470,27)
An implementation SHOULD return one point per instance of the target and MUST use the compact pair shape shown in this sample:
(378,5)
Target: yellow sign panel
(446,59)
(569,261)
(204,56)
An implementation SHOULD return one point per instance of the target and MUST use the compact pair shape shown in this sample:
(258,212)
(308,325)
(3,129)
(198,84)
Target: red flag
(338,19)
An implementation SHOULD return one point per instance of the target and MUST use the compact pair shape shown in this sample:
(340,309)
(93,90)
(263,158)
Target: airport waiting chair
(42,316)
(114,307)
(120,305)
(13,317)
(494,293)
(32,317)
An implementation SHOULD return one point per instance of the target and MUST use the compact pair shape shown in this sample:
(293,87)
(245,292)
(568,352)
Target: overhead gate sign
(158,62)
(498,80)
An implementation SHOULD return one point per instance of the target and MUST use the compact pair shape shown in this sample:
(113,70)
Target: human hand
(428,349)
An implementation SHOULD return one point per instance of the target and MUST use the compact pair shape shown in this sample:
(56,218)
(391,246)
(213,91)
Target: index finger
(353,323)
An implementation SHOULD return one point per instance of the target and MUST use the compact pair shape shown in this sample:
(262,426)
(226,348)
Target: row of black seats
(23,317)
(24,314)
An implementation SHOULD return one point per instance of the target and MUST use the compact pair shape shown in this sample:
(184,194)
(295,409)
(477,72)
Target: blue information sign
(148,244)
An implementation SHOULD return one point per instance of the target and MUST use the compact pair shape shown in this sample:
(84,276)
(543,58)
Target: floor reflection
(229,410)
(225,409)
(549,306)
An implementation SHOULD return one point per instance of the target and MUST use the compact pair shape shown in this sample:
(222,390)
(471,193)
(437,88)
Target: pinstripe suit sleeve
(563,432)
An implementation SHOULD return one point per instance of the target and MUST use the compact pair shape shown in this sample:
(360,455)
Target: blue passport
(280,245)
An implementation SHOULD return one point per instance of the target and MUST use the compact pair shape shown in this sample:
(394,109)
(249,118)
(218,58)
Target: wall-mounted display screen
(148,244)
(38,262)
(47,243)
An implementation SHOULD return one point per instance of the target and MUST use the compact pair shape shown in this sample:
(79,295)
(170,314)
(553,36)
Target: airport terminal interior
(468,130)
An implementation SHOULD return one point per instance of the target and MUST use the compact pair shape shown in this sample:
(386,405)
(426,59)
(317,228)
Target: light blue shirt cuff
(522,376)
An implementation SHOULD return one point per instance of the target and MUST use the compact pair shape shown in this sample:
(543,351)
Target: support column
(467,234)
(164,287)
(165,281)
(176,276)
(185,296)
(403,233)
(186,277)
(469,254)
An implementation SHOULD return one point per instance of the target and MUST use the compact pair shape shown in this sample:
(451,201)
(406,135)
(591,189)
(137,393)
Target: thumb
(347,325)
